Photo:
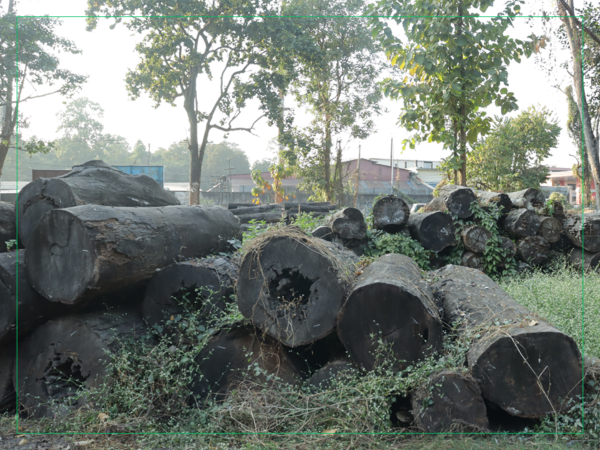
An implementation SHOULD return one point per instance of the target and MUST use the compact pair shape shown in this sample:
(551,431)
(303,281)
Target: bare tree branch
(228,129)
(589,32)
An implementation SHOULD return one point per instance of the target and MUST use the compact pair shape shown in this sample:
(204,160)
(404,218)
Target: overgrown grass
(557,297)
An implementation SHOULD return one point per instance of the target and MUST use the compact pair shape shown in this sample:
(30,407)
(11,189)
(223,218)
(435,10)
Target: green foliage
(448,67)
(335,79)
(381,243)
(510,158)
(11,245)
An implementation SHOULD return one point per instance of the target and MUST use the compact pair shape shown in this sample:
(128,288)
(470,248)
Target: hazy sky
(107,54)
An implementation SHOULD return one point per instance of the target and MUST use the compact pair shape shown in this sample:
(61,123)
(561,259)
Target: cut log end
(434,230)
(390,214)
(534,250)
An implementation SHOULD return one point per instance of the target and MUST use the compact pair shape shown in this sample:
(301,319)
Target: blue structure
(155,172)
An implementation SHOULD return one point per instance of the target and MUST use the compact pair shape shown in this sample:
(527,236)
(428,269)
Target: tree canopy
(510,158)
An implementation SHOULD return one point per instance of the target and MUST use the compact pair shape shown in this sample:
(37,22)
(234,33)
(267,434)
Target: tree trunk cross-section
(590,228)
(534,250)
(527,198)
(79,253)
(522,363)
(458,200)
(214,278)
(349,223)
(550,229)
(433,230)
(472,260)
(521,223)
(294,289)
(233,351)
(34,309)
(66,356)
(390,214)
(390,302)
(448,398)
(475,238)
(325,377)
(92,183)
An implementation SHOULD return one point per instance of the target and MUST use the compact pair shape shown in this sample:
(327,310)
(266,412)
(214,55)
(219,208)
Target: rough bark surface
(390,302)
(390,214)
(527,198)
(229,356)
(534,250)
(92,183)
(521,223)
(34,309)
(293,288)
(65,356)
(502,201)
(8,224)
(434,230)
(349,223)
(257,209)
(458,200)
(587,261)
(448,398)
(590,226)
(475,238)
(208,284)
(522,363)
(550,229)
(269,217)
(79,253)
(8,398)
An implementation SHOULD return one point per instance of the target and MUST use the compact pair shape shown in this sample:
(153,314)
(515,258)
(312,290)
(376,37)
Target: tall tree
(179,51)
(510,157)
(451,65)
(37,65)
(583,37)
(335,79)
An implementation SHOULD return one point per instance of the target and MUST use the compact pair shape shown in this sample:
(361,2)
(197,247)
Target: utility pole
(148,154)
(392,165)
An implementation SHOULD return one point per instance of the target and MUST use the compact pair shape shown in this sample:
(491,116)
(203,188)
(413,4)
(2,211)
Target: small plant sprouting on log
(11,245)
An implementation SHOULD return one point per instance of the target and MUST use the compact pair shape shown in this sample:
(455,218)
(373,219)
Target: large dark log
(33,308)
(434,230)
(390,302)
(534,250)
(550,229)
(502,201)
(472,260)
(229,358)
(204,285)
(291,205)
(240,205)
(323,232)
(563,245)
(325,377)
(8,397)
(522,363)
(293,286)
(290,216)
(349,223)
(586,261)
(448,398)
(527,198)
(8,224)
(511,251)
(82,252)
(457,200)
(92,183)
(590,226)
(269,217)
(521,223)
(390,214)
(259,209)
(65,356)
(475,238)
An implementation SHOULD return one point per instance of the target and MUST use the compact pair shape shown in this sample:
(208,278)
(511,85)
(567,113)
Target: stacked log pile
(295,292)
